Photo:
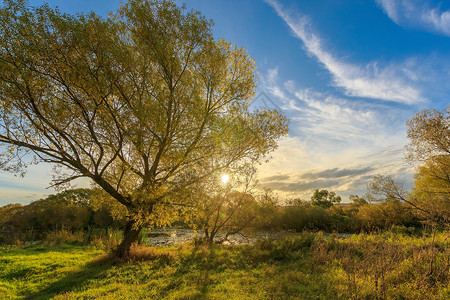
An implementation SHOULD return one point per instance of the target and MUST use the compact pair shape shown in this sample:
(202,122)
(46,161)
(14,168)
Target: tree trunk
(211,236)
(130,235)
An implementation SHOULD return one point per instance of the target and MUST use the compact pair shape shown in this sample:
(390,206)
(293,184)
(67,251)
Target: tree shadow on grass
(74,280)
(199,262)
(205,264)
(293,277)
(205,267)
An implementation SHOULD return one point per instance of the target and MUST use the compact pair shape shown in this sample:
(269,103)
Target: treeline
(71,210)
(74,210)
(323,212)
(346,218)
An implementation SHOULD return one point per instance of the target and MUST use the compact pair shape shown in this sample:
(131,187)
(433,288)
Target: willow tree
(429,147)
(145,103)
(429,133)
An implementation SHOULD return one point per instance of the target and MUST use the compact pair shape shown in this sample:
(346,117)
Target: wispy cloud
(345,181)
(19,195)
(306,181)
(336,173)
(417,14)
(320,118)
(391,82)
(32,187)
(335,143)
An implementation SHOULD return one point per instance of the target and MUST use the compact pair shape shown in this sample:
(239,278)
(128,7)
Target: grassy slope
(305,268)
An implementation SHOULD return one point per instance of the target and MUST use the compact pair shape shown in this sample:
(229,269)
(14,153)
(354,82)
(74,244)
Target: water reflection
(176,236)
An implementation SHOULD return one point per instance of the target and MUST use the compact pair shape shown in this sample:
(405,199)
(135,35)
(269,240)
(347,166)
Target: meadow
(311,265)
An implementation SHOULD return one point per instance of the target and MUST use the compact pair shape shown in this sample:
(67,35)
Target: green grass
(311,266)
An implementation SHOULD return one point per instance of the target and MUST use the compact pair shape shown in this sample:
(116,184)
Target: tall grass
(387,266)
(101,238)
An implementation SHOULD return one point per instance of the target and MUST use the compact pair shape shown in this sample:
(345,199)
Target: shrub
(59,237)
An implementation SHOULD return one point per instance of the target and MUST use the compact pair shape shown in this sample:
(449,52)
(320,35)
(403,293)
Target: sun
(225,178)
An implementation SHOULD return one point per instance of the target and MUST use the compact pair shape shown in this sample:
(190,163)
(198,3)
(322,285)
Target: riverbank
(179,236)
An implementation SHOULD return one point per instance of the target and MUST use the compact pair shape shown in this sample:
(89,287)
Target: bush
(386,215)
(59,237)
(303,217)
(287,247)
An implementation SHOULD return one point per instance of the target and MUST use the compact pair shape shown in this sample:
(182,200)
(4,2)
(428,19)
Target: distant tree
(429,147)
(385,215)
(384,187)
(229,214)
(300,217)
(267,209)
(144,103)
(429,134)
(54,212)
(230,208)
(7,214)
(78,196)
(70,209)
(357,201)
(324,198)
(431,192)
(298,202)
(429,137)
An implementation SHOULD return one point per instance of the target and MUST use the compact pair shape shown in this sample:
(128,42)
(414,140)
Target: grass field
(310,266)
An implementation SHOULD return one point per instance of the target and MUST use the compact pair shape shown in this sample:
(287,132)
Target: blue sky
(347,73)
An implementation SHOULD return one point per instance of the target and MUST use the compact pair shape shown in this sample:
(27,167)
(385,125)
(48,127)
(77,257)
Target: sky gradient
(347,73)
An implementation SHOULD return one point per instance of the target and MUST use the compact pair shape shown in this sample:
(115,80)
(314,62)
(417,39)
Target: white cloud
(390,8)
(330,135)
(323,119)
(296,170)
(418,14)
(391,82)
(18,195)
(33,186)
(272,75)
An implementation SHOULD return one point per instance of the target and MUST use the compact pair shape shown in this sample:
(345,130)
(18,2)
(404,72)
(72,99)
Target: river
(176,236)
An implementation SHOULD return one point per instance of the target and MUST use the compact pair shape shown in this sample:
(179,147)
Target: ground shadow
(74,280)
(209,262)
